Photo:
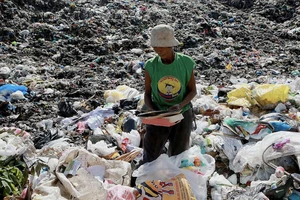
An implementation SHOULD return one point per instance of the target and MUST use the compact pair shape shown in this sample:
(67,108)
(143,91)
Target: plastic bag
(129,104)
(95,118)
(284,144)
(129,124)
(120,192)
(100,148)
(55,147)
(279,192)
(251,154)
(66,109)
(205,103)
(280,122)
(295,85)
(218,180)
(94,122)
(8,89)
(193,160)
(12,144)
(240,97)
(265,95)
(84,185)
(248,154)
(18,95)
(247,129)
(230,146)
(164,169)
(49,189)
(4,72)
(201,125)
(113,96)
(134,137)
(121,92)
(268,95)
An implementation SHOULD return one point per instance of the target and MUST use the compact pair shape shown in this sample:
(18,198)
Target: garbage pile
(71,89)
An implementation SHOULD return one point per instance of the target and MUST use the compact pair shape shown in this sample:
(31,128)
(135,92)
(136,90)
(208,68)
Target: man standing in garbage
(169,85)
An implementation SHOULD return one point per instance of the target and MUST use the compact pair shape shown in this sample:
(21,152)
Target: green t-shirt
(169,82)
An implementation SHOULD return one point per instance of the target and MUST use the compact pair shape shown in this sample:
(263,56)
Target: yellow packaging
(269,95)
(240,97)
(265,95)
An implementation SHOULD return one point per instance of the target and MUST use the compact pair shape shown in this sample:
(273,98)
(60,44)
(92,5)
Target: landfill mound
(72,82)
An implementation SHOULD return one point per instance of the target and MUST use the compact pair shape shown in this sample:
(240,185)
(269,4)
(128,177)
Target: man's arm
(147,95)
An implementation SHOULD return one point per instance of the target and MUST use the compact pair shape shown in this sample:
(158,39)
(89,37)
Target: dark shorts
(177,135)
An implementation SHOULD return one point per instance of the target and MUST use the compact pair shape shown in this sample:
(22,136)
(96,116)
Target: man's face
(163,52)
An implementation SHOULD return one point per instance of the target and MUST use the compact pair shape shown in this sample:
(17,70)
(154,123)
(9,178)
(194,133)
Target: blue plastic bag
(8,89)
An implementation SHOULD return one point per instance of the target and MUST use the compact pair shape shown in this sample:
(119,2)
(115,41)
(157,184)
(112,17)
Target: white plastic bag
(49,189)
(295,85)
(251,154)
(121,92)
(248,154)
(134,137)
(229,145)
(220,180)
(207,166)
(164,169)
(100,148)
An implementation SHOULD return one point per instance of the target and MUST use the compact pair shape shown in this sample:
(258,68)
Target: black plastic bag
(129,124)
(66,109)
(279,192)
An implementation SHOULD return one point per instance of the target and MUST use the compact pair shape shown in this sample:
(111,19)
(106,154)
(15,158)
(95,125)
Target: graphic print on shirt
(169,87)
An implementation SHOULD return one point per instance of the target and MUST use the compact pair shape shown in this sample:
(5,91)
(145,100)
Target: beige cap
(163,36)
